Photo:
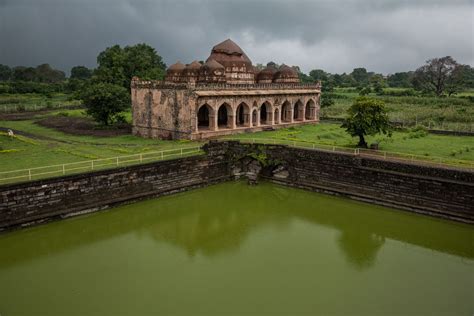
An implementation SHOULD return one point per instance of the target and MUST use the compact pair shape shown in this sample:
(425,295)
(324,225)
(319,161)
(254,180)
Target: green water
(232,249)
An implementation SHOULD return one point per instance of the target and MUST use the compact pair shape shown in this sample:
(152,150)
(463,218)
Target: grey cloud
(383,36)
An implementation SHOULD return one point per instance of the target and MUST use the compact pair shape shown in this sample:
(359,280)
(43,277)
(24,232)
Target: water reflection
(217,220)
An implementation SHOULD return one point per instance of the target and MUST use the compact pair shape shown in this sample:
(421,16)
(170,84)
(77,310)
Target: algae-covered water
(233,249)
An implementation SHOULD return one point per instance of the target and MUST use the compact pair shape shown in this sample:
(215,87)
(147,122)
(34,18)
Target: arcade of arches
(222,116)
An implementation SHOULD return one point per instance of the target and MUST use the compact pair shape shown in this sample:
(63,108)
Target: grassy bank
(41,146)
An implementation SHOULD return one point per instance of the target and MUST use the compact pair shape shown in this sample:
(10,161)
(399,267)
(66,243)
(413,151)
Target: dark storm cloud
(383,36)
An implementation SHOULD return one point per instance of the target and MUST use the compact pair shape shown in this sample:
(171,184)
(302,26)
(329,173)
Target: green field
(10,103)
(41,146)
(450,113)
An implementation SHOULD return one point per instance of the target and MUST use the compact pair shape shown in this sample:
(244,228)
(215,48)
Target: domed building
(223,96)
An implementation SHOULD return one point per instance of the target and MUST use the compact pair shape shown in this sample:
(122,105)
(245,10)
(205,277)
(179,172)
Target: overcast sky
(337,36)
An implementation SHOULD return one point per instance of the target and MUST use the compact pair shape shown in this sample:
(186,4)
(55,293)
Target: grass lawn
(45,146)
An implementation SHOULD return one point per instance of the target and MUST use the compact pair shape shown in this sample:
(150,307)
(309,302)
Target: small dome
(178,67)
(195,65)
(266,74)
(286,74)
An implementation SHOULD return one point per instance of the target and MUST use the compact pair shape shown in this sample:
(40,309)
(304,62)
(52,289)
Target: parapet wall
(440,192)
(435,191)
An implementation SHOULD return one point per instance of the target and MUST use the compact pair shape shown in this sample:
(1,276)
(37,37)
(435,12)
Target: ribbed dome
(230,54)
(178,67)
(286,74)
(266,74)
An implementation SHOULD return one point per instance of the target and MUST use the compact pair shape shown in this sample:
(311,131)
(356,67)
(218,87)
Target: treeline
(439,76)
(42,79)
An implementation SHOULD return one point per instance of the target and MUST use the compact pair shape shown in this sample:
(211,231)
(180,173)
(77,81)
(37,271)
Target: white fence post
(117,161)
(29,174)
(92,164)
(64,169)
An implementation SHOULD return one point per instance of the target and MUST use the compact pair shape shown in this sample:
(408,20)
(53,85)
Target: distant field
(33,102)
(454,113)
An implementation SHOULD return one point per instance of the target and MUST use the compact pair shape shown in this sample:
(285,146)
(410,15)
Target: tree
(5,73)
(360,76)
(45,73)
(81,73)
(400,80)
(105,101)
(318,74)
(437,75)
(118,65)
(21,73)
(366,116)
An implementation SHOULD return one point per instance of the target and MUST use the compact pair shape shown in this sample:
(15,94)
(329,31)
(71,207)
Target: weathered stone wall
(163,113)
(439,192)
(435,191)
(43,200)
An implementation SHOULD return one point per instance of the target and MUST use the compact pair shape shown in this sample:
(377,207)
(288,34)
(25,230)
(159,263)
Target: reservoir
(234,249)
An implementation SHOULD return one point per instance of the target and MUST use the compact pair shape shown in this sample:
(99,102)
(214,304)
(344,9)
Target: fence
(379,154)
(96,164)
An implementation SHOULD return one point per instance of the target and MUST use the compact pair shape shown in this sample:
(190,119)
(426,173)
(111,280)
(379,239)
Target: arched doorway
(242,116)
(286,112)
(298,111)
(254,117)
(263,114)
(203,117)
(310,111)
(223,114)
(276,116)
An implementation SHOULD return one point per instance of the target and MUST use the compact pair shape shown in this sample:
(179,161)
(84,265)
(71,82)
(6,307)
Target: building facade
(223,96)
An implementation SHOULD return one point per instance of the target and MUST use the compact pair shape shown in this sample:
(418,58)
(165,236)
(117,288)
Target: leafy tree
(45,73)
(327,97)
(318,74)
(105,101)
(118,65)
(5,73)
(439,76)
(400,80)
(80,72)
(366,116)
(360,76)
(21,73)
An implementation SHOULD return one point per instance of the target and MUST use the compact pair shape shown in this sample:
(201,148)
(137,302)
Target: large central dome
(238,67)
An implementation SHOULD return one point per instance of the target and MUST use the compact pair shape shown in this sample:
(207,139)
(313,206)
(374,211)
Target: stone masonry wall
(440,192)
(435,191)
(37,201)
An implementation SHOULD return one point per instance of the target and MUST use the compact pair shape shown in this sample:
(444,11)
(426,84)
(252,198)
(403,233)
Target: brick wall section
(440,192)
(42,200)
(436,191)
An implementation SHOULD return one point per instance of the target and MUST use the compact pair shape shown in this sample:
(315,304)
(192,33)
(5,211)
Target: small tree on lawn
(367,116)
(105,101)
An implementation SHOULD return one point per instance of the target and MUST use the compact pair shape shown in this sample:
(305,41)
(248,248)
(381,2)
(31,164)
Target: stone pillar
(213,122)
(304,113)
(270,117)
(258,117)
(233,123)
(292,114)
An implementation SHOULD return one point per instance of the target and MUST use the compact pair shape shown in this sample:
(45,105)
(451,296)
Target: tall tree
(80,72)
(118,65)
(366,116)
(439,76)
(360,75)
(318,74)
(5,73)
(45,73)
